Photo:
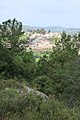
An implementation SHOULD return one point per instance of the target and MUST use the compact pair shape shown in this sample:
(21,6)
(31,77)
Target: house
(44,41)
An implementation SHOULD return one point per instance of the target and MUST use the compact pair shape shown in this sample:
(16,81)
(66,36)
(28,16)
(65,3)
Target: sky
(64,13)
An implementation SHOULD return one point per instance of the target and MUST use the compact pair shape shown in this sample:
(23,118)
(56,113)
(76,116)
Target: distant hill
(52,29)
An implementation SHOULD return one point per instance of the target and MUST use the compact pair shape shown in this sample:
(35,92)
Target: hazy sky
(65,13)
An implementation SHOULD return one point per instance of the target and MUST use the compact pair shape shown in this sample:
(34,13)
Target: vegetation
(56,76)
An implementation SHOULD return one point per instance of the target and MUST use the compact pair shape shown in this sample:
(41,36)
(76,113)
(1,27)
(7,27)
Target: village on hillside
(39,41)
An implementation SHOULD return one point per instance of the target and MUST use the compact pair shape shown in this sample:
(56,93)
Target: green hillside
(43,89)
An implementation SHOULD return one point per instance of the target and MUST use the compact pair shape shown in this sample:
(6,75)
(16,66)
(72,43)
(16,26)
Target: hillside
(47,88)
(52,28)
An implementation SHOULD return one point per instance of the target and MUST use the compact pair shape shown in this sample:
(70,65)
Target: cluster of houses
(47,35)
(41,41)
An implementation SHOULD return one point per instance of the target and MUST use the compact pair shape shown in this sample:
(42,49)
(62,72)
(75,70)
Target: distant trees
(42,31)
(49,31)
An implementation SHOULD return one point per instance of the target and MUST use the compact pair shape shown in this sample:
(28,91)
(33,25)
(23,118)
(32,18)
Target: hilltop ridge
(52,29)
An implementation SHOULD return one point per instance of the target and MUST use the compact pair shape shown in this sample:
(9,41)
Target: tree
(63,36)
(10,32)
(49,31)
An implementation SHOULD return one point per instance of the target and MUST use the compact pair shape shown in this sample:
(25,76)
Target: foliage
(15,105)
(10,32)
(57,75)
(43,84)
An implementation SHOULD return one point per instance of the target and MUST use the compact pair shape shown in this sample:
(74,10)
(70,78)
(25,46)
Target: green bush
(43,84)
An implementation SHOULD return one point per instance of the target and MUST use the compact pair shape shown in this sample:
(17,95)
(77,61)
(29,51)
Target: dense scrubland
(57,76)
